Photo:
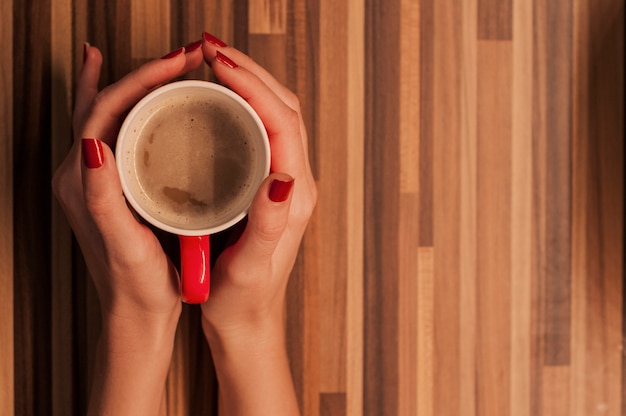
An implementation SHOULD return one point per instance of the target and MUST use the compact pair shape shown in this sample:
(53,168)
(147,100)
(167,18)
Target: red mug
(191,156)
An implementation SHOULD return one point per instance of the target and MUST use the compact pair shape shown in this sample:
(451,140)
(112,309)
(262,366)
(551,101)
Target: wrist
(132,361)
(139,331)
(252,368)
(266,335)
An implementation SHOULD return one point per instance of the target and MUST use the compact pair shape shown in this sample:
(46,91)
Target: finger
(103,196)
(281,122)
(267,219)
(87,86)
(193,56)
(212,44)
(115,100)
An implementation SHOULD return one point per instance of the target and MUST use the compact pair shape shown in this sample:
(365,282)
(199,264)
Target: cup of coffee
(191,156)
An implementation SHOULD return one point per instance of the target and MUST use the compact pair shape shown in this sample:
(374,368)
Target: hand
(250,277)
(131,272)
(137,285)
(243,319)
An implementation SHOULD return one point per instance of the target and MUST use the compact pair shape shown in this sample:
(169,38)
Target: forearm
(132,362)
(253,372)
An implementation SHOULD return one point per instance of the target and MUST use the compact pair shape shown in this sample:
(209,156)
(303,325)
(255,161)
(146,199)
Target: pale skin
(137,284)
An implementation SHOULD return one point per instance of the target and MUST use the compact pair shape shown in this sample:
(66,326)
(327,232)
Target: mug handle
(195,269)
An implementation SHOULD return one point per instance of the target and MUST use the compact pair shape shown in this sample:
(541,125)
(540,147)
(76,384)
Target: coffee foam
(196,162)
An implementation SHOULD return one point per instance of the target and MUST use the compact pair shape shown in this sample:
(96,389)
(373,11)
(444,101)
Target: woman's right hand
(244,317)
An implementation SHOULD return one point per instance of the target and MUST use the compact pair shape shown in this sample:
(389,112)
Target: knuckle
(268,233)
(293,102)
(57,185)
(303,210)
(64,188)
(97,204)
(100,98)
(292,120)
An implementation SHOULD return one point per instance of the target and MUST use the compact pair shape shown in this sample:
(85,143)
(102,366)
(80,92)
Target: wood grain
(7,376)
(381,268)
(267,16)
(493,239)
(62,334)
(355,56)
(468,231)
(552,138)
(495,19)
(521,210)
(446,223)
(466,256)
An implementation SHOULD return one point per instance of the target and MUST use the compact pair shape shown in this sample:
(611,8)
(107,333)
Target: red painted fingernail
(193,46)
(93,155)
(85,49)
(223,59)
(280,190)
(173,53)
(213,40)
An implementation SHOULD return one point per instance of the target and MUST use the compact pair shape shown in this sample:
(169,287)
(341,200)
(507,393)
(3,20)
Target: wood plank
(521,210)
(355,56)
(270,51)
(150,29)
(32,196)
(446,160)
(382,199)
(468,171)
(189,19)
(580,170)
(556,389)
(7,376)
(62,56)
(241,23)
(413,312)
(333,404)
(495,19)
(303,322)
(303,40)
(552,125)
(109,28)
(303,317)
(425,332)
(426,120)
(332,129)
(267,16)
(409,100)
(493,228)
(604,209)
(176,391)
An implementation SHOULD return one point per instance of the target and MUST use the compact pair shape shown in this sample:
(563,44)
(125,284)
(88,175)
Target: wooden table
(466,255)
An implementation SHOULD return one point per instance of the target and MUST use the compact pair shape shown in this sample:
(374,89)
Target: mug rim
(122,137)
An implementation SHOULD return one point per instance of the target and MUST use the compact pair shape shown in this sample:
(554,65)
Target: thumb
(267,217)
(103,194)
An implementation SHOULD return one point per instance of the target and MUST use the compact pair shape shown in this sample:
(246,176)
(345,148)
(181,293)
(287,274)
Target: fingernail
(93,155)
(173,53)
(213,40)
(280,190)
(193,46)
(85,49)
(220,57)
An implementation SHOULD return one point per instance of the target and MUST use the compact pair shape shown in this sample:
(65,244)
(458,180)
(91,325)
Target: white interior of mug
(127,159)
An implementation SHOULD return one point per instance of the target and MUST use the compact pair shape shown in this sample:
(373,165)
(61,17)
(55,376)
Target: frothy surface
(194,162)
